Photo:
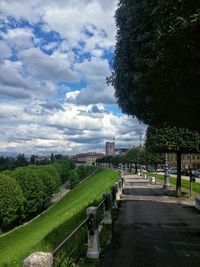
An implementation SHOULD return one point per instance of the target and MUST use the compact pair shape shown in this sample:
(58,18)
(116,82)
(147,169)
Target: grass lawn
(18,244)
(184,183)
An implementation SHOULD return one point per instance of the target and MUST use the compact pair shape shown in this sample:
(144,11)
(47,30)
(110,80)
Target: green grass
(18,244)
(184,183)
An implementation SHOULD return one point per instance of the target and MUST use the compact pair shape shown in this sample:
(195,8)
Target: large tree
(173,140)
(11,201)
(156,70)
(134,156)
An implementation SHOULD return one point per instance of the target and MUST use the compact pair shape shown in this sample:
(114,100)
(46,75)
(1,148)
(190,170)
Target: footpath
(153,228)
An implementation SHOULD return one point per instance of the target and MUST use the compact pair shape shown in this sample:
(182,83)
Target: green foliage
(11,200)
(116,160)
(32,188)
(63,167)
(133,155)
(73,178)
(47,181)
(84,171)
(38,183)
(52,170)
(156,66)
(21,160)
(34,235)
(172,139)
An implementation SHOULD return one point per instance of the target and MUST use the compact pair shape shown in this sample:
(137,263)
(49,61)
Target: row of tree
(20,161)
(135,156)
(26,191)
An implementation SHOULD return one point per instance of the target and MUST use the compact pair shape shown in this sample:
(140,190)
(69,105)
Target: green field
(184,183)
(18,244)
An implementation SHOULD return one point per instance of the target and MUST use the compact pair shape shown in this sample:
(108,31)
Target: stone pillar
(107,209)
(166,175)
(122,179)
(93,250)
(120,188)
(117,191)
(153,180)
(39,259)
(114,201)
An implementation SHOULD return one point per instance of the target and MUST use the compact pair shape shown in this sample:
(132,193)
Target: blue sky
(55,56)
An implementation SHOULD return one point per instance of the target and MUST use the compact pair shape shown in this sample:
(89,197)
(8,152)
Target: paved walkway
(153,229)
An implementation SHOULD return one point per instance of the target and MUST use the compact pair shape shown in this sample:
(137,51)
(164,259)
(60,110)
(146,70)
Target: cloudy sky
(54,58)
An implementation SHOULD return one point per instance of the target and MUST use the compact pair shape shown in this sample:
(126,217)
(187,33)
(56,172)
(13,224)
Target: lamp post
(166,175)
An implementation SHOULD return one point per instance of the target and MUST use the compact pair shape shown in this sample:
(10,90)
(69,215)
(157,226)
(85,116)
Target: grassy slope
(18,244)
(184,183)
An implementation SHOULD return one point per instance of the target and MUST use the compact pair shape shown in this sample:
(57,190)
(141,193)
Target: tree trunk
(178,179)
(135,168)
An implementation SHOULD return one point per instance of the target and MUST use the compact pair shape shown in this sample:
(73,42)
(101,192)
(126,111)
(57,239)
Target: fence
(95,221)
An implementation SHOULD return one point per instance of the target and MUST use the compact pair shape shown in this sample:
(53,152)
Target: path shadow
(143,191)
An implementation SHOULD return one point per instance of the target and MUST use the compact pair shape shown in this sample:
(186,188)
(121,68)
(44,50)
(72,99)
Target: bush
(63,167)
(52,170)
(32,188)
(11,200)
(47,180)
(73,178)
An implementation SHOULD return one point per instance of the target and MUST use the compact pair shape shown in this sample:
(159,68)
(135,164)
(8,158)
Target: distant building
(110,149)
(88,158)
(187,161)
(120,151)
(41,159)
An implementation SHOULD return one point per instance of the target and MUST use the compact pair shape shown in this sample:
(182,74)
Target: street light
(166,175)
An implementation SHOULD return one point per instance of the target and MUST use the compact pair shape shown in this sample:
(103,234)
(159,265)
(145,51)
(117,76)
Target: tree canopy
(11,200)
(156,70)
(173,140)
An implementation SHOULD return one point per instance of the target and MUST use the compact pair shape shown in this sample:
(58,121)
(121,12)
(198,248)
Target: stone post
(117,191)
(107,209)
(93,250)
(39,259)
(114,201)
(166,175)
(120,188)
(122,179)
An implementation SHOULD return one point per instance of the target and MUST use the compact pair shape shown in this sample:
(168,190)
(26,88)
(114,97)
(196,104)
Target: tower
(110,148)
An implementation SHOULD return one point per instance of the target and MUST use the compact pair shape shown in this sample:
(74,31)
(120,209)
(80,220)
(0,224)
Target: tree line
(27,191)
(20,160)
(134,157)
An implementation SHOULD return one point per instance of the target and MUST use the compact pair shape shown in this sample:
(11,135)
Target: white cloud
(5,51)
(68,131)
(20,38)
(54,67)
(41,113)
(14,83)
(66,17)
(94,71)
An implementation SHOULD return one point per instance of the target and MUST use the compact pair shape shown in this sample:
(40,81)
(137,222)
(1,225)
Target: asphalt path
(153,229)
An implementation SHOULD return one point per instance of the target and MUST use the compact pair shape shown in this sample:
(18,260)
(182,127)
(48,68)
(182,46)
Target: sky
(55,56)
